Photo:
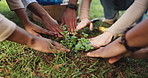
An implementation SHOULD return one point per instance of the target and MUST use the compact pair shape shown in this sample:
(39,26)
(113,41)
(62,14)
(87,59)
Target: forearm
(84,10)
(38,10)
(21,36)
(9,31)
(73,1)
(22,16)
(133,13)
(137,36)
(15,4)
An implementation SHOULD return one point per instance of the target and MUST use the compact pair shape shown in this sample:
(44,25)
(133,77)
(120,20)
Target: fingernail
(88,54)
(110,62)
(68,50)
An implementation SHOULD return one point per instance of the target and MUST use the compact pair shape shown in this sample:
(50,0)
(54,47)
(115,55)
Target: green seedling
(72,42)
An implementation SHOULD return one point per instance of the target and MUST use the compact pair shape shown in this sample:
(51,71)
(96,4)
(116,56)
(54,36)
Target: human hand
(35,29)
(84,23)
(46,45)
(69,18)
(140,54)
(35,42)
(114,49)
(52,25)
(101,40)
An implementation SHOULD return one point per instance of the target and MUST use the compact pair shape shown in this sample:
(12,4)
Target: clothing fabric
(27,2)
(132,14)
(50,2)
(15,4)
(111,7)
(7,27)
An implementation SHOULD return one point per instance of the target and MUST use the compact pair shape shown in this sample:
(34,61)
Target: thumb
(114,59)
(35,33)
(81,25)
(91,26)
(96,53)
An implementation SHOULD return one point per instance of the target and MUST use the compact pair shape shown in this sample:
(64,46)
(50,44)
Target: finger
(62,22)
(80,26)
(95,47)
(36,34)
(94,44)
(44,31)
(60,30)
(68,26)
(114,59)
(91,26)
(96,53)
(61,49)
(55,50)
(58,44)
(74,25)
(50,29)
(59,35)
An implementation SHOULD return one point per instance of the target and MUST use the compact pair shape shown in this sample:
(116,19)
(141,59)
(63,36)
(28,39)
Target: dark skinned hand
(69,18)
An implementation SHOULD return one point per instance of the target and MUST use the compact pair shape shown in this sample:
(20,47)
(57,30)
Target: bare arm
(29,26)
(133,13)
(37,43)
(136,37)
(84,10)
(9,31)
(84,15)
(69,17)
(47,20)
(17,6)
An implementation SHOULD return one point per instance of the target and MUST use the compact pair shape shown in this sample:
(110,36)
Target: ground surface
(19,61)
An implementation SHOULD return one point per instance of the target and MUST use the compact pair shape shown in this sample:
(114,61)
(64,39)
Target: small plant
(72,42)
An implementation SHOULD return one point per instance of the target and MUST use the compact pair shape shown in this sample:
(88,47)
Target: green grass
(19,61)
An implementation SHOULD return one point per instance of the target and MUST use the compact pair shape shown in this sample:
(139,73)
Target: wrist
(72,6)
(125,43)
(31,40)
(84,18)
(26,22)
(111,34)
(73,2)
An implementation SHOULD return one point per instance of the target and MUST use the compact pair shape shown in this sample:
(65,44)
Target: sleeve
(15,4)
(7,27)
(27,2)
(84,10)
(131,15)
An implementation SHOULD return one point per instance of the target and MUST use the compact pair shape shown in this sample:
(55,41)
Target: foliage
(19,61)
(72,42)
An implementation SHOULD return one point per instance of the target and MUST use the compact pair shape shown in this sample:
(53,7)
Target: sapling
(72,42)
